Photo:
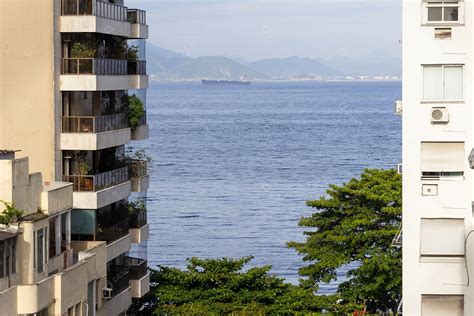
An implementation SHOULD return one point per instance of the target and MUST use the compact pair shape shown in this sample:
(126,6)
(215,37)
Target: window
(440,305)
(440,160)
(443,82)
(442,237)
(7,257)
(443,11)
(41,246)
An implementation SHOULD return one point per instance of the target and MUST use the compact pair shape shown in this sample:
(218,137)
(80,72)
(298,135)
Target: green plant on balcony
(11,214)
(119,49)
(136,111)
(83,50)
(136,206)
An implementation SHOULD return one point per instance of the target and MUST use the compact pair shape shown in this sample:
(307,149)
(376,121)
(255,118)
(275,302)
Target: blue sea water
(233,166)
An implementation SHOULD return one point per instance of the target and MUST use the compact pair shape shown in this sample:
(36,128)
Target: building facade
(438,261)
(72,98)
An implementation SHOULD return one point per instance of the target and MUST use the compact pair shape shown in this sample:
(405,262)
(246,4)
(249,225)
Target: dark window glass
(435,14)
(451,14)
(13,255)
(2,259)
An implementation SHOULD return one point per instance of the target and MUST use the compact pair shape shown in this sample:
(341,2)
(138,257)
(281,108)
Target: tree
(355,225)
(221,286)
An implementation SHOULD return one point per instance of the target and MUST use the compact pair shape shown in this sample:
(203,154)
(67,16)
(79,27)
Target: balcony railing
(138,267)
(138,220)
(136,16)
(111,11)
(114,232)
(136,67)
(94,7)
(118,279)
(138,168)
(94,124)
(93,66)
(94,183)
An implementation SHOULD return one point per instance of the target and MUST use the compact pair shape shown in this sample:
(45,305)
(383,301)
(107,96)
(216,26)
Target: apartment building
(72,80)
(438,261)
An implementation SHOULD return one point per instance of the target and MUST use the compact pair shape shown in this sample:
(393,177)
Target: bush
(136,111)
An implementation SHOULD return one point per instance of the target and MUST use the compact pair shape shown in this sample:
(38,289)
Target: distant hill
(375,64)
(159,60)
(168,65)
(212,67)
(286,67)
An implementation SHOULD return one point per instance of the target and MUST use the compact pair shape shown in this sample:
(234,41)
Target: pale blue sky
(255,29)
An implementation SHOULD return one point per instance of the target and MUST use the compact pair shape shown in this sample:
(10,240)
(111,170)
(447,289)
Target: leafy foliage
(221,286)
(356,224)
(119,49)
(84,50)
(136,111)
(10,214)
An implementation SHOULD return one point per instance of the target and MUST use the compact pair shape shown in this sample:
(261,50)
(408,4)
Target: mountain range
(165,64)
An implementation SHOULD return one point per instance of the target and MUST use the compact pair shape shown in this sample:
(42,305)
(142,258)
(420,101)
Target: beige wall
(27,83)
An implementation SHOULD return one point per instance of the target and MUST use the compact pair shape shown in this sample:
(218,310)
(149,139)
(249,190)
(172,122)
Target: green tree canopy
(355,224)
(223,287)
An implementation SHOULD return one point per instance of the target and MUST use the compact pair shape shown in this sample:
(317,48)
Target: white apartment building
(438,121)
(67,76)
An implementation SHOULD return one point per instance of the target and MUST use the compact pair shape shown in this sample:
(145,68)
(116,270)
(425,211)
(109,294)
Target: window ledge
(453,24)
(442,259)
(441,102)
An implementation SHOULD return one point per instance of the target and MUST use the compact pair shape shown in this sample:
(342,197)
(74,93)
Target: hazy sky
(255,29)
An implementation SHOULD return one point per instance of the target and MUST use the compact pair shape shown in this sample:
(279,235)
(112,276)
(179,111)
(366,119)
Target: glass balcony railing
(137,16)
(114,232)
(96,8)
(136,67)
(93,66)
(137,267)
(98,182)
(94,124)
(138,168)
(138,220)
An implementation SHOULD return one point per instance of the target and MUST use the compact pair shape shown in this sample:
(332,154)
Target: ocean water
(233,166)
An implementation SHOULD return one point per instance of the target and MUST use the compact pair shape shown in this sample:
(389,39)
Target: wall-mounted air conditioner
(398,110)
(439,115)
(107,293)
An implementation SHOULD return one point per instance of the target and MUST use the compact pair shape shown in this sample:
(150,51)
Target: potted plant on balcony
(83,50)
(82,169)
(136,111)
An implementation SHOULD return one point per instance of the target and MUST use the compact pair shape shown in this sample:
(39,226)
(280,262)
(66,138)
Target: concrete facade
(65,115)
(437,142)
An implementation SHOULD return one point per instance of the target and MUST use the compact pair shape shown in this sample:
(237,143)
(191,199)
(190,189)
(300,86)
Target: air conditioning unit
(107,293)
(439,115)
(398,108)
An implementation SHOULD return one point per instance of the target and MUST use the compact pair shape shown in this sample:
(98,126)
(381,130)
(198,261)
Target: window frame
(443,4)
(443,67)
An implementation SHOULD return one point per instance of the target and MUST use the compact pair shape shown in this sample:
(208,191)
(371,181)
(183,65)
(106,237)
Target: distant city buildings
(72,96)
(438,244)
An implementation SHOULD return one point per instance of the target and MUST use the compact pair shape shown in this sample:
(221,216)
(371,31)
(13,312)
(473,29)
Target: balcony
(94,132)
(96,191)
(139,228)
(142,131)
(101,74)
(138,28)
(139,175)
(118,247)
(94,16)
(139,276)
(114,232)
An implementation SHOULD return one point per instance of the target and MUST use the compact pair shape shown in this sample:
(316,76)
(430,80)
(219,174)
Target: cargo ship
(226,82)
